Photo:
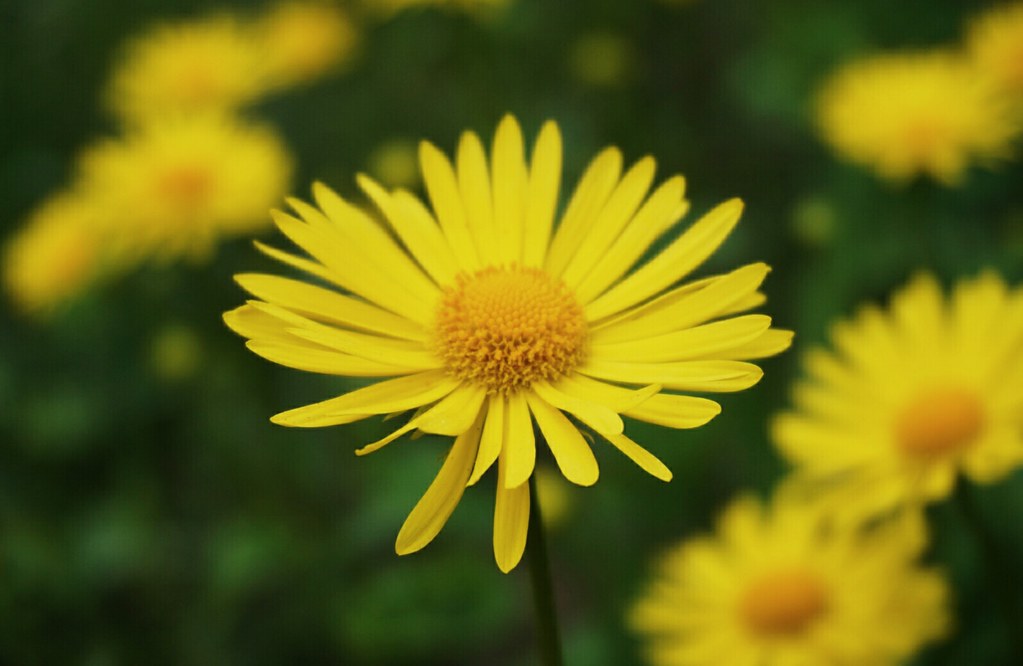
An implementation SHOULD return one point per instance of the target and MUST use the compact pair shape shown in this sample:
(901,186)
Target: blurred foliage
(150,513)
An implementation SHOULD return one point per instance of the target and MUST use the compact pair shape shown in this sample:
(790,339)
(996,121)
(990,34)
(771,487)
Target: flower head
(778,585)
(57,254)
(213,64)
(489,317)
(916,113)
(175,185)
(995,43)
(912,398)
(303,39)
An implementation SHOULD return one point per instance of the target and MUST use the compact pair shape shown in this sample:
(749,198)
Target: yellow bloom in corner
(912,398)
(903,115)
(995,42)
(213,64)
(303,40)
(176,185)
(56,255)
(489,317)
(778,586)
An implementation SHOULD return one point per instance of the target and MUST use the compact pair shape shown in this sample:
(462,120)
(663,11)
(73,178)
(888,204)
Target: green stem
(548,640)
(1000,574)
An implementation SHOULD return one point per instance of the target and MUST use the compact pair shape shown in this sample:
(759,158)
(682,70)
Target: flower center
(185,186)
(939,422)
(783,603)
(506,328)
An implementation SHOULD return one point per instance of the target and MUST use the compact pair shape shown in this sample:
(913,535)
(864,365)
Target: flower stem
(548,640)
(999,572)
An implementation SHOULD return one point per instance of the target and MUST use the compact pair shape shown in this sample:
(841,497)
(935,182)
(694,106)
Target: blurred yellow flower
(915,113)
(995,42)
(601,59)
(490,316)
(395,163)
(302,40)
(213,64)
(174,186)
(911,398)
(778,586)
(56,255)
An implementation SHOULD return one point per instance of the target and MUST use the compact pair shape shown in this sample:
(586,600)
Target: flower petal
(474,187)
(716,339)
(710,376)
(446,200)
(519,442)
(542,200)
(394,395)
(595,415)
(571,452)
(492,438)
(510,179)
(683,255)
(637,454)
(438,503)
(511,519)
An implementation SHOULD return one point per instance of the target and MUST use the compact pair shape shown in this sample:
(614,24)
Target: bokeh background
(150,513)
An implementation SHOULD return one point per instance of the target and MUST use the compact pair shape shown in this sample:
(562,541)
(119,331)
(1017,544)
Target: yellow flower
(916,113)
(56,255)
(302,40)
(995,42)
(213,64)
(174,186)
(490,317)
(778,586)
(911,398)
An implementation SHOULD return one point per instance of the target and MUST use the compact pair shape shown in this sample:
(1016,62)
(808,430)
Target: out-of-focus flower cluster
(931,112)
(189,165)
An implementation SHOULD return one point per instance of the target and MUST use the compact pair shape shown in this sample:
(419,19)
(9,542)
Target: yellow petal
(683,306)
(675,262)
(438,503)
(325,361)
(325,304)
(616,398)
(519,443)
(442,186)
(509,183)
(459,410)
(771,342)
(511,520)
(301,263)
(544,181)
(709,376)
(675,411)
(492,438)
(594,414)
(613,217)
(415,227)
(594,188)
(662,210)
(474,187)
(637,454)
(393,395)
(571,452)
(716,339)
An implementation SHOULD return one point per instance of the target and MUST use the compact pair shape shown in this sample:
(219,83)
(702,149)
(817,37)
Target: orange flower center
(185,186)
(506,328)
(783,603)
(939,422)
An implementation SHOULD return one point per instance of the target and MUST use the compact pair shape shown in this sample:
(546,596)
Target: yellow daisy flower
(915,113)
(174,186)
(491,318)
(995,42)
(303,40)
(911,398)
(778,586)
(56,255)
(214,64)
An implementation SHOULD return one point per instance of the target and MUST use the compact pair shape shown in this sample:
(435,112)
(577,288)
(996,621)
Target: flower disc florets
(506,328)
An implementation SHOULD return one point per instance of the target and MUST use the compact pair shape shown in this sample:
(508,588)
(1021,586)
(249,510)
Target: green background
(161,519)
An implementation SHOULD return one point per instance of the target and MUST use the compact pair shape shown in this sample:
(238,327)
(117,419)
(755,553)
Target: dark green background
(147,520)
